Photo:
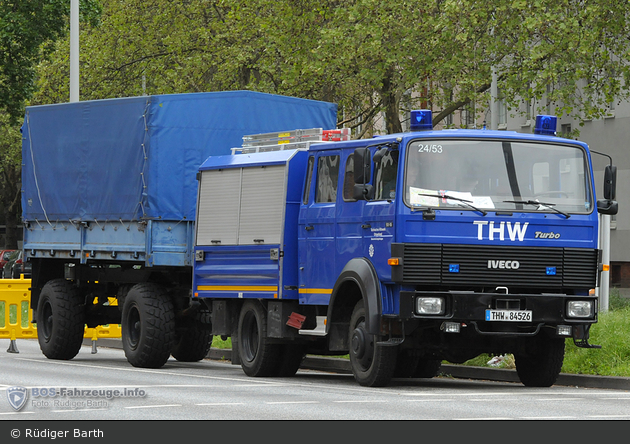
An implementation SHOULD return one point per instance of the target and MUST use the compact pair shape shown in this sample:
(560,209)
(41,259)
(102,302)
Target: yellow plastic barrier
(16,315)
(15,311)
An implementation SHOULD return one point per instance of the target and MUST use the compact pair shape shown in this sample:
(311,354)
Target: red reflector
(296,320)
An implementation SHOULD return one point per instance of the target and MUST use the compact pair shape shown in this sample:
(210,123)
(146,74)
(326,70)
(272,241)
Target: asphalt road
(216,390)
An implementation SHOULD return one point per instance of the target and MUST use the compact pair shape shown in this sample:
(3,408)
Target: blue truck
(109,196)
(403,250)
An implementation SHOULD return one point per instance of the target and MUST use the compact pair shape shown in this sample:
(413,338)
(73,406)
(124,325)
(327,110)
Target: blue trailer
(403,250)
(109,196)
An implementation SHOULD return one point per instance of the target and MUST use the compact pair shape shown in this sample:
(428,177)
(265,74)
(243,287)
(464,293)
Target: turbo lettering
(514,232)
(552,235)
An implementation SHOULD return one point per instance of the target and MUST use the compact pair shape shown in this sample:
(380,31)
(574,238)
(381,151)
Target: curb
(342,366)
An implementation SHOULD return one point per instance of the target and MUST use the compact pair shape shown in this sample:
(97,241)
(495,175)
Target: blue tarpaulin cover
(137,157)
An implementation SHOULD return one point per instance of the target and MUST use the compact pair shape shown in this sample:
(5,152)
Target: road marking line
(357,401)
(291,402)
(548,417)
(559,399)
(152,406)
(221,403)
(483,419)
(608,416)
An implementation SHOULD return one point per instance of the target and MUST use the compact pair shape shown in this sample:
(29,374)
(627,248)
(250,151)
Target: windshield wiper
(549,206)
(463,201)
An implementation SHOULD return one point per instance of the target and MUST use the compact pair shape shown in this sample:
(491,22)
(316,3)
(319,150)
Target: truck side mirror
(362,165)
(610,182)
(605,206)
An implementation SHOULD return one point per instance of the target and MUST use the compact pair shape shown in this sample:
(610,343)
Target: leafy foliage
(27,27)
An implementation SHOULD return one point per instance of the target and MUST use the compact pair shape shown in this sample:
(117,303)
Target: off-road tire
(291,357)
(541,364)
(60,320)
(259,357)
(148,326)
(192,344)
(373,365)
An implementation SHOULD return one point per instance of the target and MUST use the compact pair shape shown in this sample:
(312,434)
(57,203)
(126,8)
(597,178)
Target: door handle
(309,227)
(366,226)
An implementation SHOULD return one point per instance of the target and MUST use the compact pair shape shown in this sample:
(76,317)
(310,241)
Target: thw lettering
(515,231)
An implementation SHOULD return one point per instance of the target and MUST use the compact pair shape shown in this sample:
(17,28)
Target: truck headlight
(580,309)
(430,305)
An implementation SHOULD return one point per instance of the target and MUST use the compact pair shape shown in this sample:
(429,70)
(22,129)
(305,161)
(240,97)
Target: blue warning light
(421,120)
(546,125)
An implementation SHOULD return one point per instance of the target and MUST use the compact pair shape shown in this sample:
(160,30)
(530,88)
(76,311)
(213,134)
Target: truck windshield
(502,175)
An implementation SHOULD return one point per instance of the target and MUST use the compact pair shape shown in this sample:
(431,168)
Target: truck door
(317,229)
(378,213)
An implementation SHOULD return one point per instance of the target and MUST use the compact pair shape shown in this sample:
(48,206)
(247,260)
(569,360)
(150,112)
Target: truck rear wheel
(373,365)
(291,357)
(193,343)
(148,326)
(60,320)
(541,366)
(258,356)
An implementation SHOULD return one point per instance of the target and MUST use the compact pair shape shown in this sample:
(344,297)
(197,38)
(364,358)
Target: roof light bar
(546,125)
(421,120)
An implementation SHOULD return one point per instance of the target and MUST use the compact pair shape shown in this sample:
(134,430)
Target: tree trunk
(390,100)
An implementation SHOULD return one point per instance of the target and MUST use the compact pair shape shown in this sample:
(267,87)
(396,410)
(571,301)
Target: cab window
(327,179)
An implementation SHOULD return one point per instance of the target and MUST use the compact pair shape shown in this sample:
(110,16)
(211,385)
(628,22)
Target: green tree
(372,57)
(26,27)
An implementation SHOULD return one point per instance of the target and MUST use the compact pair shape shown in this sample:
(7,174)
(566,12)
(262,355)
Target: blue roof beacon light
(421,120)
(546,125)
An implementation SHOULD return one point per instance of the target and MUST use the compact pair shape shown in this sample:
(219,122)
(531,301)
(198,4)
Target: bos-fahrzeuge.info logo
(17,397)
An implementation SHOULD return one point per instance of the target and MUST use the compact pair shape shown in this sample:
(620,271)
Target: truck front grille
(484,265)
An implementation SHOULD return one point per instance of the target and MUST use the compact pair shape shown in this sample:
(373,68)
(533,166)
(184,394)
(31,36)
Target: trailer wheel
(258,356)
(373,365)
(541,366)
(193,343)
(60,320)
(148,326)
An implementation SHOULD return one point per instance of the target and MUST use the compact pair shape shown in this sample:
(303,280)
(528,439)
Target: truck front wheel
(373,365)
(258,356)
(541,364)
(60,320)
(148,326)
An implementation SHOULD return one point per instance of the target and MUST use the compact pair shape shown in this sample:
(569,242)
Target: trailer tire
(148,326)
(373,365)
(259,357)
(541,366)
(60,320)
(193,344)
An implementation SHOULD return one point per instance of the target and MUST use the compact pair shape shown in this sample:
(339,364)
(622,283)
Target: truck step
(319,330)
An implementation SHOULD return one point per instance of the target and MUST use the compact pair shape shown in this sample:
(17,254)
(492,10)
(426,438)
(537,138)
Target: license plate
(509,315)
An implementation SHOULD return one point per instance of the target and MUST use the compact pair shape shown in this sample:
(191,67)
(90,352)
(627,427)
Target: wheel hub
(358,342)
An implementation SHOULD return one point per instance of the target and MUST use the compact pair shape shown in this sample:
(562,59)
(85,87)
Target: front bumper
(470,308)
